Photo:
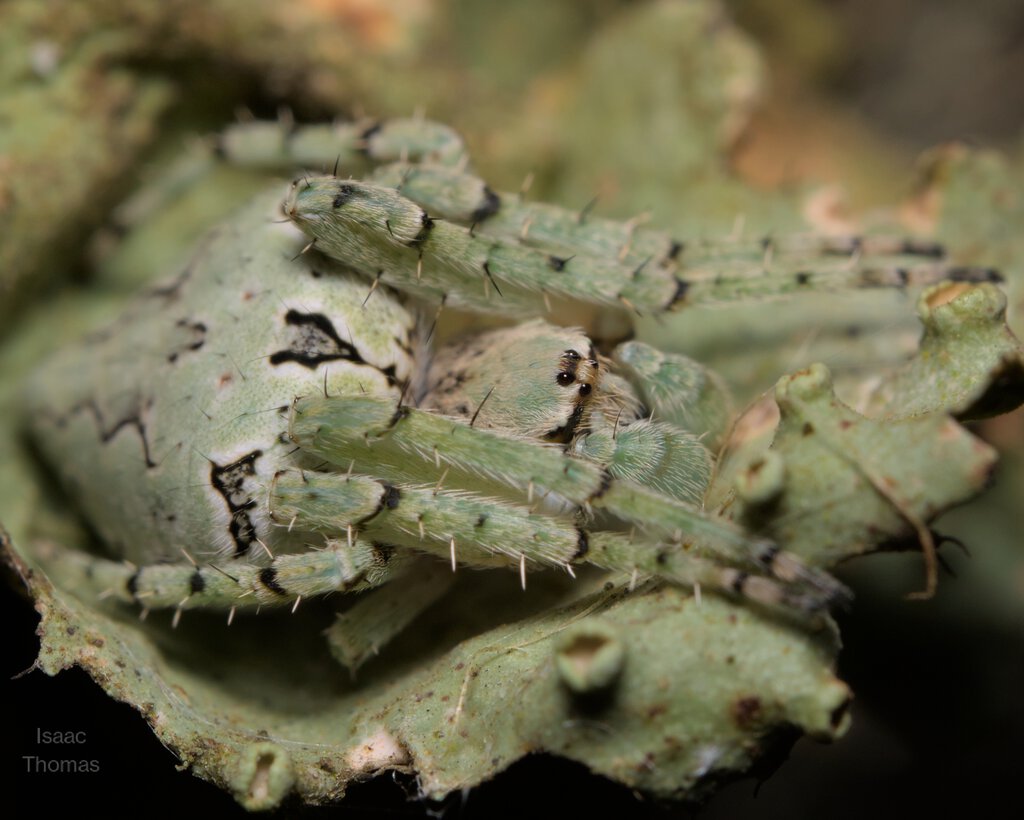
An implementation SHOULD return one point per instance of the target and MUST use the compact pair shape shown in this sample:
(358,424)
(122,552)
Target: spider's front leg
(394,240)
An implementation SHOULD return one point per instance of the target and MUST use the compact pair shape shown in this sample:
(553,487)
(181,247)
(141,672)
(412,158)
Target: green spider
(276,422)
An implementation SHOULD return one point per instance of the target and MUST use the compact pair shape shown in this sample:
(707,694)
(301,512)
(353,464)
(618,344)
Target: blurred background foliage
(771,115)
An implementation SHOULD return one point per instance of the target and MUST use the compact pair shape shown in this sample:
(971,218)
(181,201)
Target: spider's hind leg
(234,583)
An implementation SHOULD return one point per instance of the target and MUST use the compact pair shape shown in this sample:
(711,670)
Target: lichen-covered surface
(695,696)
(650,687)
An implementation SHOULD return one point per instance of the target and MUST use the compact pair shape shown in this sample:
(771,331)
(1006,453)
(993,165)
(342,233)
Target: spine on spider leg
(234,583)
(726,270)
(365,431)
(715,537)
(352,145)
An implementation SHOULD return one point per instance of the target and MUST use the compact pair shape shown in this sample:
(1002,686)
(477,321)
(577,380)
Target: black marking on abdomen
(107,434)
(229,481)
(315,341)
(198,329)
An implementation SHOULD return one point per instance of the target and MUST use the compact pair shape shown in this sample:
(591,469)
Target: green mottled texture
(968,363)
(693,689)
(974,199)
(86,92)
(661,112)
(366,431)
(321,502)
(68,140)
(180,386)
(849,484)
(360,632)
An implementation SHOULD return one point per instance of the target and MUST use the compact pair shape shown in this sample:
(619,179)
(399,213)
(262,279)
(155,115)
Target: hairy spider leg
(372,432)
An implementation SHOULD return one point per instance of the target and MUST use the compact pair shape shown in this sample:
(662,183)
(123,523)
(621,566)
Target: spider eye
(565,379)
(585,389)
